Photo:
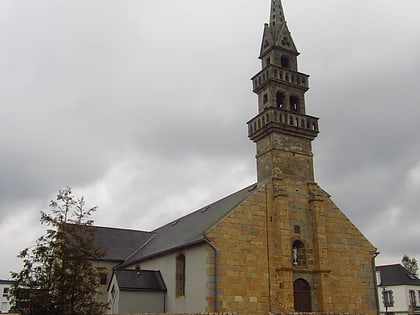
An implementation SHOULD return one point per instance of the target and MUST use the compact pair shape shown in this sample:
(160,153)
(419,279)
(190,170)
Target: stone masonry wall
(254,243)
(242,263)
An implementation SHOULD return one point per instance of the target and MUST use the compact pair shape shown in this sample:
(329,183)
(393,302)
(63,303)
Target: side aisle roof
(119,244)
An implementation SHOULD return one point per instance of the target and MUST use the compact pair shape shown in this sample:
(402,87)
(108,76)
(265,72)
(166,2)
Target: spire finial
(276,14)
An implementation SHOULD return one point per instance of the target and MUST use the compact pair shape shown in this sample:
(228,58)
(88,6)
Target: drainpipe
(215,273)
(375,282)
(164,301)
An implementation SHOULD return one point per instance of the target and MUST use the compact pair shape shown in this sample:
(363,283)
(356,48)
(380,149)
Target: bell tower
(281,130)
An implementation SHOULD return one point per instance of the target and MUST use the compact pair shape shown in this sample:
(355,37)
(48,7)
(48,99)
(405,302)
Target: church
(278,245)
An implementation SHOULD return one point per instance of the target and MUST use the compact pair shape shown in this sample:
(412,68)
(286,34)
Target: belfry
(282,130)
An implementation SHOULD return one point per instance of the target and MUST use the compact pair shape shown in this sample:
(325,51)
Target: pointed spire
(277,13)
(276,32)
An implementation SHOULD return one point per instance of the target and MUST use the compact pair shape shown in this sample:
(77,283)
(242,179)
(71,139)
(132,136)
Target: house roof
(396,275)
(190,229)
(139,280)
(6,281)
(119,244)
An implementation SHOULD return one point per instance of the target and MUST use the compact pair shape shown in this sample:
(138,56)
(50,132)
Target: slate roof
(139,280)
(188,230)
(396,275)
(119,244)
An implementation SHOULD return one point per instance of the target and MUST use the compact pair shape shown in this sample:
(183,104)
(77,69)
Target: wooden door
(302,296)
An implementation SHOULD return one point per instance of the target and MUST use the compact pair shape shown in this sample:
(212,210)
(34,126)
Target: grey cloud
(141,107)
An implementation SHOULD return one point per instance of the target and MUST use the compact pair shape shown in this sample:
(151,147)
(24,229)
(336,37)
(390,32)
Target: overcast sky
(141,107)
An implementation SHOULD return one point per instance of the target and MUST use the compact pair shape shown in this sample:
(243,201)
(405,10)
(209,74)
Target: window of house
(5,292)
(388,298)
(180,275)
(265,98)
(412,296)
(113,291)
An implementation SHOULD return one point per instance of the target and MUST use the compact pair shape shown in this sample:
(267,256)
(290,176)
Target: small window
(5,292)
(113,291)
(412,296)
(284,61)
(279,100)
(103,278)
(267,61)
(388,298)
(180,275)
(297,229)
(294,104)
(265,99)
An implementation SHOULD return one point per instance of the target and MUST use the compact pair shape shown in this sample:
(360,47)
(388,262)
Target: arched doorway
(302,296)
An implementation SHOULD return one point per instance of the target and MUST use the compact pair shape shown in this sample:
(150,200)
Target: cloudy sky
(141,107)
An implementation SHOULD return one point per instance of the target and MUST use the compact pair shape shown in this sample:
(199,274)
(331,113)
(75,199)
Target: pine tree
(410,264)
(58,275)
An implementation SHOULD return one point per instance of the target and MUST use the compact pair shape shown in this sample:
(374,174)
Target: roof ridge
(253,186)
(389,265)
(119,229)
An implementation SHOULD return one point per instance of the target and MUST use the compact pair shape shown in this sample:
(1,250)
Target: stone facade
(256,273)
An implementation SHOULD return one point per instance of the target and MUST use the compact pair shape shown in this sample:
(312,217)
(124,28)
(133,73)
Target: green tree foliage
(58,275)
(410,264)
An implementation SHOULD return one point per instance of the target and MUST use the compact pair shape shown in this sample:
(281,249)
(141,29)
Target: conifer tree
(58,275)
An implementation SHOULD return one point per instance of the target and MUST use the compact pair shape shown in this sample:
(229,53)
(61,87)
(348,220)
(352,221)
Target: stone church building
(278,245)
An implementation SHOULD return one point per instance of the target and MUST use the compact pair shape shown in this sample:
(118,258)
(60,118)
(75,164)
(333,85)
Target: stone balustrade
(285,119)
(273,72)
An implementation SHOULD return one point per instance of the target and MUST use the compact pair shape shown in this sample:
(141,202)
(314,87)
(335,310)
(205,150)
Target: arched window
(294,104)
(279,100)
(302,296)
(180,275)
(298,253)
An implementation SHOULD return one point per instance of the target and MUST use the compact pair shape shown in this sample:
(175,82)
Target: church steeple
(281,127)
(276,33)
(277,14)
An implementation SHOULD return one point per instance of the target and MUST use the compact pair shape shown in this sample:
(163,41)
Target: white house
(398,290)
(4,298)
(131,290)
